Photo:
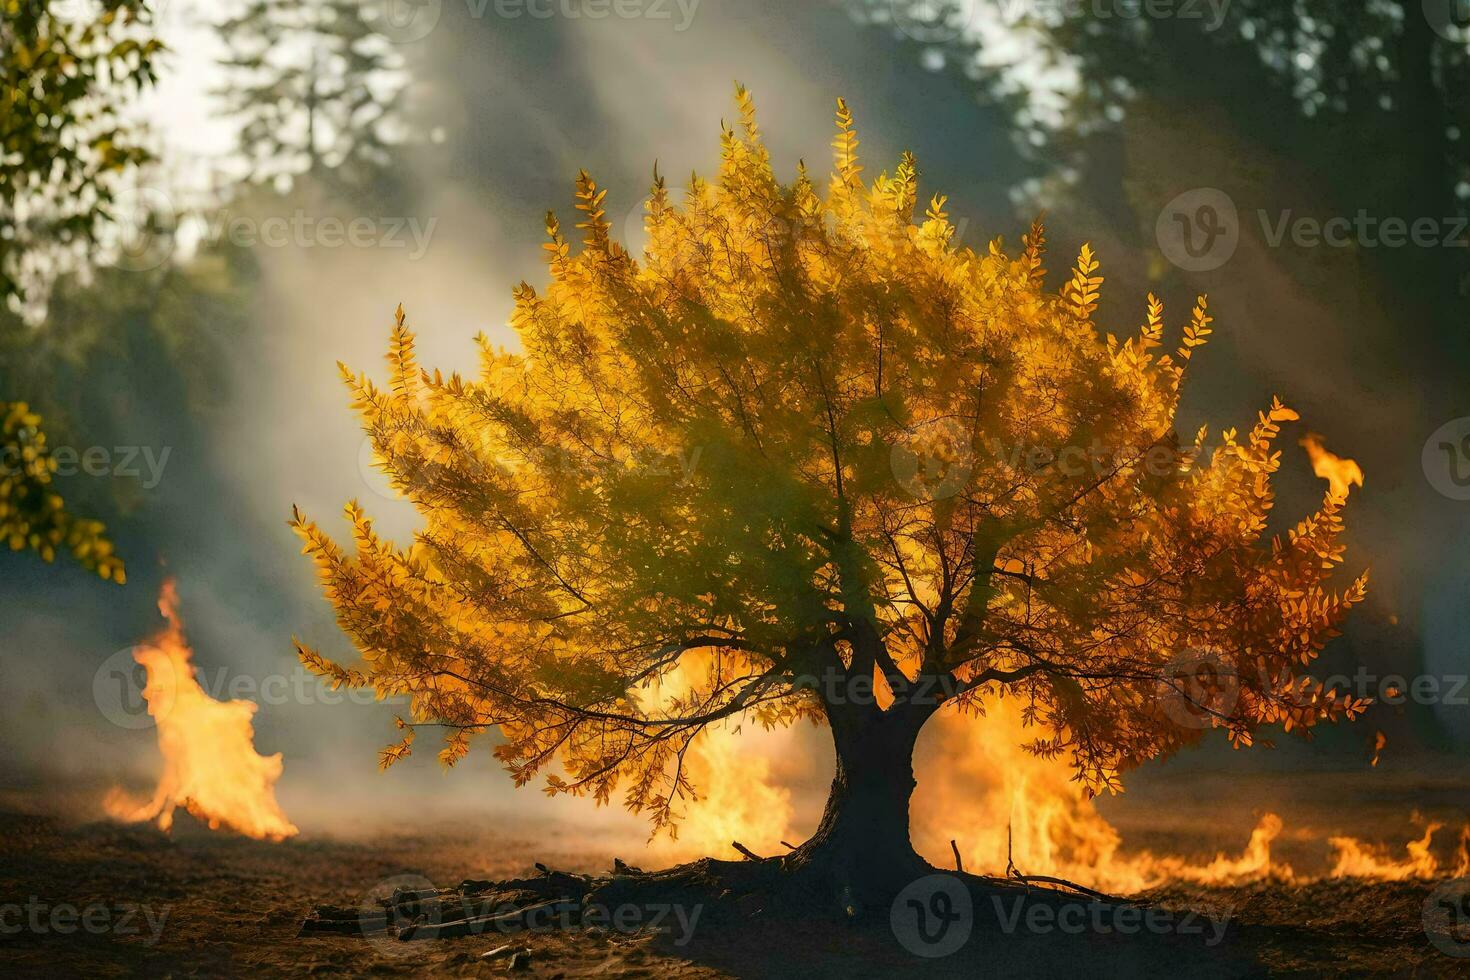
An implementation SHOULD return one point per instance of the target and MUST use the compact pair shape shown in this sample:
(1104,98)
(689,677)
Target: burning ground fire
(1002,803)
(211,767)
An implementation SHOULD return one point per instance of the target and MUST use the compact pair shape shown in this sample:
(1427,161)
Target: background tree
(65,147)
(837,468)
(314,88)
(65,144)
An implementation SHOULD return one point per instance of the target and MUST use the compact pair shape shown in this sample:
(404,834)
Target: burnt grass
(196,903)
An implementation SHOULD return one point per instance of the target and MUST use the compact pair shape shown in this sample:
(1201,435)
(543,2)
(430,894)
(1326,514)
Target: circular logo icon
(634,225)
(1446,458)
(397,903)
(1446,917)
(1198,230)
(145,223)
(402,21)
(1199,688)
(372,474)
(1448,18)
(932,21)
(933,916)
(119,684)
(933,460)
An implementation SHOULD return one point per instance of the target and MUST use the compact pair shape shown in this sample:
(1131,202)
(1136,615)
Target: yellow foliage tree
(847,470)
(32,514)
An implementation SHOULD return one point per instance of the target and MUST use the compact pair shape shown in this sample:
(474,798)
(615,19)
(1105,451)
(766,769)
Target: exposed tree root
(631,899)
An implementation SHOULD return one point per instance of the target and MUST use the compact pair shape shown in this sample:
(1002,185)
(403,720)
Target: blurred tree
(315,88)
(64,144)
(63,149)
(32,514)
(828,465)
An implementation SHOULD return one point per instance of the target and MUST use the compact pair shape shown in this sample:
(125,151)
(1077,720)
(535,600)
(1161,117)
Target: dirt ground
(100,900)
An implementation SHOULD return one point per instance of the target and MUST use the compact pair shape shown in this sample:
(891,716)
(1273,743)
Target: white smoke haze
(614,96)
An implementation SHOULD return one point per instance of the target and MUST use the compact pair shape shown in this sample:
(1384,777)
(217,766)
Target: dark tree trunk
(861,849)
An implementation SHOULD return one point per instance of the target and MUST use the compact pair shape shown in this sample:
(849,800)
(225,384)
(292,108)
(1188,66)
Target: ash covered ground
(197,903)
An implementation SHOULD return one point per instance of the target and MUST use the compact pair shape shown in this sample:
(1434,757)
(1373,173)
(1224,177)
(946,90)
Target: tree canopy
(803,442)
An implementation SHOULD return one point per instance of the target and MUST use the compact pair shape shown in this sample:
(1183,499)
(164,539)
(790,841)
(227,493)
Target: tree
(65,146)
(32,515)
(64,150)
(314,87)
(838,469)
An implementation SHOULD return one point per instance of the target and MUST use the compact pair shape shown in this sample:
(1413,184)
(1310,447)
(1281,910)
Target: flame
(1339,473)
(730,768)
(1004,807)
(1358,860)
(211,767)
(738,800)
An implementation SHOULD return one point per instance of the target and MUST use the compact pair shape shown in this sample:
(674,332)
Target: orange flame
(1339,473)
(1005,807)
(738,798)
(211,767)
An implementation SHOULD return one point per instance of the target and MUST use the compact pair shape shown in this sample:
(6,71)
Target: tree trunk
(861,849)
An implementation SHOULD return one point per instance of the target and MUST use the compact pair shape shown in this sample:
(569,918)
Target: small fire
(1008,808)
(211,767)
(739,800)
(1339,473)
